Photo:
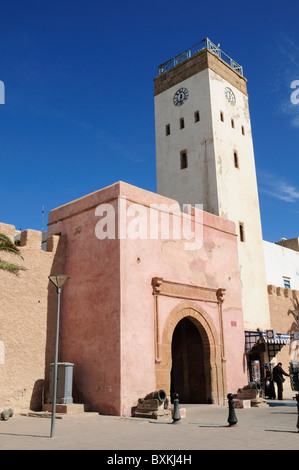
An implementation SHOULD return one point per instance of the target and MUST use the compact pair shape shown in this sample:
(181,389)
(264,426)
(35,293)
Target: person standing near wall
(278,374)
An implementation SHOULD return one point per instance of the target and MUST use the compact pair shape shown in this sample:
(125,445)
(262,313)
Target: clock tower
(204,155)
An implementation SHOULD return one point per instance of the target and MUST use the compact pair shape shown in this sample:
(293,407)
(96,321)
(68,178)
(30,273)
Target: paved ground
(205,427)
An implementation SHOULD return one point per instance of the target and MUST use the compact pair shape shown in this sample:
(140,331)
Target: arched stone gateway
(190,319)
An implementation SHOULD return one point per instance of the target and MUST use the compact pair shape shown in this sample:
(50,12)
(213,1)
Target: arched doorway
(214,367)
(188,375)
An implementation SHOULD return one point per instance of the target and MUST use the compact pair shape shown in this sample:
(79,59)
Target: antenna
(43,214)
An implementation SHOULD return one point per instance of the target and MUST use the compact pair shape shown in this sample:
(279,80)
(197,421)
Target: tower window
(232,123)
(182,123)
(243,130)
(167,129)
(196,116)
(236,159)
(241,232)
(184,159)
(286,282)
(221,116)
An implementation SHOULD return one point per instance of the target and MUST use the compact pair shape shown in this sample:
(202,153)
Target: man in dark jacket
(278,373)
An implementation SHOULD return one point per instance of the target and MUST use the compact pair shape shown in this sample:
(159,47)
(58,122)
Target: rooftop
(204,44)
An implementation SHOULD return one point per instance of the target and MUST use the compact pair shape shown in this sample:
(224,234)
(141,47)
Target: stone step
(68,408)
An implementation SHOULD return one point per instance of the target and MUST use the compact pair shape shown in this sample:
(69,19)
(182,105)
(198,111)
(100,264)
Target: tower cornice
(201,60)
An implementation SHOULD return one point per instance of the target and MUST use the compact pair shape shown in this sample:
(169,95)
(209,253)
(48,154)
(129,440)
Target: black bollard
(232,418)
(176,410)
(297,399)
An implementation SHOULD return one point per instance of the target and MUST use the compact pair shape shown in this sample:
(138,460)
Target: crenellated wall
(283,303)
(27,318)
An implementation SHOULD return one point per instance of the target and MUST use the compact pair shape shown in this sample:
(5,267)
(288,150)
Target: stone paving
(205,427)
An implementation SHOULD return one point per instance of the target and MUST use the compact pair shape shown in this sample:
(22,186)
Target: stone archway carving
(214,362)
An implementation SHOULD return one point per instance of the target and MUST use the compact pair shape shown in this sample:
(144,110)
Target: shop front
(261,349)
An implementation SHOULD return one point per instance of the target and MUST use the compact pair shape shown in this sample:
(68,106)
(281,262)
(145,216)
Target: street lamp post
(58,281)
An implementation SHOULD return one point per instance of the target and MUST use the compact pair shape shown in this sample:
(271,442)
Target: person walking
(278,374)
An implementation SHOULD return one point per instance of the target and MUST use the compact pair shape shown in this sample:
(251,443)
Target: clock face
(270,334)
(229,94)
(180,96)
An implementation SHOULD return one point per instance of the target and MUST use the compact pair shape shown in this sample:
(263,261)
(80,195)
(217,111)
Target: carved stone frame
(214,351)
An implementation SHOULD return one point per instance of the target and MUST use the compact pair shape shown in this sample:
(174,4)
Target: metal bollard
(232,418)
(176,410)
(297,399)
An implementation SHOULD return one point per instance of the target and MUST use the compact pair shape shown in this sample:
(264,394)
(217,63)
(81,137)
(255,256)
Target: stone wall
(282,304)
(27,319)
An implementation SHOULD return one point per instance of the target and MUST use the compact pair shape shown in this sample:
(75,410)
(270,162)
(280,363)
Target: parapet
(29,238)
(8,230)
(32,238)
(283,292)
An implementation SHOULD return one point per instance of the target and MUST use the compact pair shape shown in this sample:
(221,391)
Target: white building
(282,263)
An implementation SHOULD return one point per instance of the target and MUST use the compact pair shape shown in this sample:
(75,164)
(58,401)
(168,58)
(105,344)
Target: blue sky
(79,107)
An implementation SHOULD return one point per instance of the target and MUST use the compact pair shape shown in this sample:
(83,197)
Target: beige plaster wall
(27,320)
(238,195)
(196,184)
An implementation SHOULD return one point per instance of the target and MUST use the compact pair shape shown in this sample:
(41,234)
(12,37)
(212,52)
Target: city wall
(283,303)
(27,319)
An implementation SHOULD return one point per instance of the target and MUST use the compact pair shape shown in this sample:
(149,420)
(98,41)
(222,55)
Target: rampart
(283,304)
(28,318)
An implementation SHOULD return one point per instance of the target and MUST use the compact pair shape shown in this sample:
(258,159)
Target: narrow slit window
(184,159)
(241,232)
(167,129)
(196,116)
(182,123)
(232,123)
(243,130)
(221,116)
(236,159)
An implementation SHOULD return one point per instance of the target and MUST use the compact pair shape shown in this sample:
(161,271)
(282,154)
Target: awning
(269,336)
(280,338)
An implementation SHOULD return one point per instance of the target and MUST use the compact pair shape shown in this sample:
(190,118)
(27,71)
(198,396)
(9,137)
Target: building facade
(132,287)
(282,263)
(175,290)
(204,155)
